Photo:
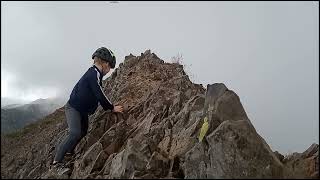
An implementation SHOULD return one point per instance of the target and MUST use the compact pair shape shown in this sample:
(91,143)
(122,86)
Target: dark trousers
(78,127)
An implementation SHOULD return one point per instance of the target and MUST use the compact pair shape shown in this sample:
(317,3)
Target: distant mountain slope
(5,101)
(16,116)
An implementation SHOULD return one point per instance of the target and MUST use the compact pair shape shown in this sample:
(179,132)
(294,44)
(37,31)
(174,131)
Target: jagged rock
(311,151)
(222,104)
(233,150)
(84,166)
(106,168)
(129,161)
(279,156)
(129,56)
(157,135)
(303,165)
(147,52)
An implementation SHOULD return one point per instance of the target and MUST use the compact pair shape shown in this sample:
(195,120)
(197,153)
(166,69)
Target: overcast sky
(267,52)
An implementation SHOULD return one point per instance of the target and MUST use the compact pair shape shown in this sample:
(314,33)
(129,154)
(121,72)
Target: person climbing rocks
(83,101)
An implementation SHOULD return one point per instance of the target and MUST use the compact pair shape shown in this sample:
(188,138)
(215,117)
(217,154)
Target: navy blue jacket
(88,92)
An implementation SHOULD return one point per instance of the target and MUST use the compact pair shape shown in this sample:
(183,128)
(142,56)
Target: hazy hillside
(11,101)
(16,116)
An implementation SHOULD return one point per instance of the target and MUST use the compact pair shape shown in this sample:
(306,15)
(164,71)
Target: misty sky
(267,52)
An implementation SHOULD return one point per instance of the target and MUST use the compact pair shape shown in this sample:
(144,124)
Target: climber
(83,101)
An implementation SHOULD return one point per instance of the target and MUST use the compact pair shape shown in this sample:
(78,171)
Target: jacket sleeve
(98,92)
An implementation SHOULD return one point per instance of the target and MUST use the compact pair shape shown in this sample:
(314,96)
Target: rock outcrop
(303,165)
(157,135)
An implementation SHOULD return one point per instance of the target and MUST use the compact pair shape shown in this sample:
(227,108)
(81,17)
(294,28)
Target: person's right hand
(118,109)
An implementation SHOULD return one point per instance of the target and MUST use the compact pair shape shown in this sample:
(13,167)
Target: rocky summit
(157,135)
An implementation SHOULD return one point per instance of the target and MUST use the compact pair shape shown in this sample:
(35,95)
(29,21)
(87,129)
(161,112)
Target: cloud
(17,88)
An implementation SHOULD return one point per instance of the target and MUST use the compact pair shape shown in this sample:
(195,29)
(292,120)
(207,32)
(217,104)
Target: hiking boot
(68,156)
(60,169)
